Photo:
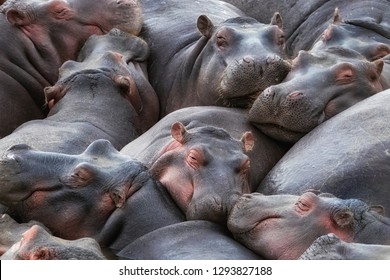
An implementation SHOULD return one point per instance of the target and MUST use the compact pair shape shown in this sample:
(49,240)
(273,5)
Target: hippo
(38,244)
(370,43)
(330,247)
(89,89)
(260,221)
(100,193)
(346,156)
(304,21)
(37,37)
(189,240)
(321,84)
(11,231)
(190,150)
(208,53)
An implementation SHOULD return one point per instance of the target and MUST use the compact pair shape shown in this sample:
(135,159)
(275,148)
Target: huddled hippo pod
(156,131)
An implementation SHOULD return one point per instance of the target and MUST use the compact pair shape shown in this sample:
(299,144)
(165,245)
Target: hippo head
(320,85)
(37,243)
(65,191)
(204,170)
(243,58)
(352,35)
(62,27)
(284,226)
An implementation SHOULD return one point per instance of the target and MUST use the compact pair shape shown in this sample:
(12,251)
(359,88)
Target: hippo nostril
(268,93)
(295,95)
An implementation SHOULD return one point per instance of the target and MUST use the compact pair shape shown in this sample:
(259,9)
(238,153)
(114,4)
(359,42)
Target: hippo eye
(221,42)
(194,159)
(303,205)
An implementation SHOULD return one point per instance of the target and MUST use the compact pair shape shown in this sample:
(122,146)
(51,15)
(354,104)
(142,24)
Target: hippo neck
(148,209)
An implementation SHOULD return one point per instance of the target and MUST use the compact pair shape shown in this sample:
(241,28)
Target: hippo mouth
(260,225)
(243,101)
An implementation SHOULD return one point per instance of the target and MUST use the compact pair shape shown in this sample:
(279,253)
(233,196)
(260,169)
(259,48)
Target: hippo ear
(130,91)
(205,26)
(178,132)
(277,20)
(53,94)
(247,141)
(378,65)
(17,17)
(61,10)
(378,209)
(336,16)
(343,218)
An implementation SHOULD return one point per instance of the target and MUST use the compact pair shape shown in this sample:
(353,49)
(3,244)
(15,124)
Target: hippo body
(165,157)
(190,240)
(321,84)
(346,156)
(208,53)
(37,38)
(259,222)
(330,247)
(304,21)
(88,89)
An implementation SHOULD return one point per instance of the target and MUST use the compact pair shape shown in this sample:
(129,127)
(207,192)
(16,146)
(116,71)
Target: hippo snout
(246,78)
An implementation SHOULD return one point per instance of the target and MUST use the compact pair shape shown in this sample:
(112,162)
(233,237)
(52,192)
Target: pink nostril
(268,92)
(248,59)
(295,95)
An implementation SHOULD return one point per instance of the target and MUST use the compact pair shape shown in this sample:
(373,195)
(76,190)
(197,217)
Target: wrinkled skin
(330,247)
(346,156)
(304,21)
(38,37)
(87,90)
(320,85)
(38,244)
(190,240)
(65,194)
(11,231)
(203,168)
(208,53)
(264,155)
(260,222)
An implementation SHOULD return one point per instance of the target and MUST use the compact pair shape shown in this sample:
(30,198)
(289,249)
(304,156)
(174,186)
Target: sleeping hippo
(37,37)
(99,193)
(209,53)
(37,243)
(304,21)
(321,84)
(284,226)
(104,83)
(193,152)
(330,247)
(347,156)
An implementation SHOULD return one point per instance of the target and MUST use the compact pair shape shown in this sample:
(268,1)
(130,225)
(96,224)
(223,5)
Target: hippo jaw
(243,80)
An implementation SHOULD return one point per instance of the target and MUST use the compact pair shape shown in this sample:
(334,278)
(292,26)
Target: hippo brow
(241,20)
(102,71)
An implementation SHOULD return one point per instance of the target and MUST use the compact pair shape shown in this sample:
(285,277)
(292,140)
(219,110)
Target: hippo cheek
(243,80)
